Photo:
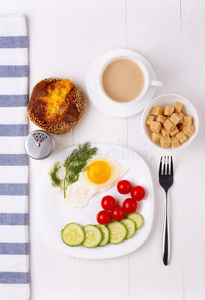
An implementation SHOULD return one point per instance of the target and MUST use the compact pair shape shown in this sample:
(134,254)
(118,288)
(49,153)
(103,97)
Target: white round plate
(55,213)
(99,99)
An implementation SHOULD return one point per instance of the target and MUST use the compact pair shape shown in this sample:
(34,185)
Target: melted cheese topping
(57,92)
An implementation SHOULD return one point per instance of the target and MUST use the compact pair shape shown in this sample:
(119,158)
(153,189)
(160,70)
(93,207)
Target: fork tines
(166,165)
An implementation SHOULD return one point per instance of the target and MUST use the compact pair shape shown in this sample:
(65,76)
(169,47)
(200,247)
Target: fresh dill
(73,165)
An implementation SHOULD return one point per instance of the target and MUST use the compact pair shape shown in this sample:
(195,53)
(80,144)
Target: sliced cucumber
(105,235)
(130,226)
(93,236)
(73,234)
(137,218)
(118,232)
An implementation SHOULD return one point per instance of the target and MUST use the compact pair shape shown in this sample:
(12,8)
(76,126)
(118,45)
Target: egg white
(79,193)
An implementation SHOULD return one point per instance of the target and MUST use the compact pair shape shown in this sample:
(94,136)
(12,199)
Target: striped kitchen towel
(14,240)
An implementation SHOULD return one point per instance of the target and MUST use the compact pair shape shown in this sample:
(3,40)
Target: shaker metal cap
(38,144)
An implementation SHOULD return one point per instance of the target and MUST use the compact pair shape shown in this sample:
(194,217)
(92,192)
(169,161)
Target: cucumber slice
(73,234)
(105,234)
(118,232)
(131,227)
(93,236)
(137,218)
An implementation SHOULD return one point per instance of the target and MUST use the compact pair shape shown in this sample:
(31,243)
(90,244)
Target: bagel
(56,105)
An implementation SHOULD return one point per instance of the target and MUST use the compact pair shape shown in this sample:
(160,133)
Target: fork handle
(166,236)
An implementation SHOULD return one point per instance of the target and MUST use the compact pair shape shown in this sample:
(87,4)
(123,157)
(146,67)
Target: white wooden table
(65,36)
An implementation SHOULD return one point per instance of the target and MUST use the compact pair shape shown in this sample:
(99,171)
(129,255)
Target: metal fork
(166,176)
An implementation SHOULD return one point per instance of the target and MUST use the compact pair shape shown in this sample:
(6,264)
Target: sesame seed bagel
(56,105)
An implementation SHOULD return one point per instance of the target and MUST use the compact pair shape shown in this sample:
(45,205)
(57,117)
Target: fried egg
(102,172)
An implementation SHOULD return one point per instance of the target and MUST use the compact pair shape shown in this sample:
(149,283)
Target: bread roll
(56,105)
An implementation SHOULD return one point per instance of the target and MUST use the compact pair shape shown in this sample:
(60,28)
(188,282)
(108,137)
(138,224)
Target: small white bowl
(169,100)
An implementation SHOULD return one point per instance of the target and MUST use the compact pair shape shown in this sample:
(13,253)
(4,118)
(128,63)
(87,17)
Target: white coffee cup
(148,83)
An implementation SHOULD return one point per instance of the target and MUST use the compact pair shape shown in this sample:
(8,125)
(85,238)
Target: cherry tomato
(124,187)
(137,193)
(129,205)
(108,202)
(104,217)
(117,213)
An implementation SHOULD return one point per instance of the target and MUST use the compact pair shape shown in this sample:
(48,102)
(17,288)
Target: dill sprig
(56,181)
(74,164)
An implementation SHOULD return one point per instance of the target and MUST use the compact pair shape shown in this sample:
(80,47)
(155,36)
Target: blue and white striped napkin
(14,240)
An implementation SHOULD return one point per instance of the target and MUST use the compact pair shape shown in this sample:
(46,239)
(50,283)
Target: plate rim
(90,254)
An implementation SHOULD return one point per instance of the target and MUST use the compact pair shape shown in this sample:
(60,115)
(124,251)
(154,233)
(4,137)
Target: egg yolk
(98,172)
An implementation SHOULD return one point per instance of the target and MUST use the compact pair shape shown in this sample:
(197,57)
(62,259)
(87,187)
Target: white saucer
(99,99)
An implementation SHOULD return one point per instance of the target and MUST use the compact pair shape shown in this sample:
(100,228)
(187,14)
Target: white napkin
(14,242)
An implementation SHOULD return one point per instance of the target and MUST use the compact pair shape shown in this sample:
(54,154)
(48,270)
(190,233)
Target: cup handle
(156,83)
